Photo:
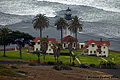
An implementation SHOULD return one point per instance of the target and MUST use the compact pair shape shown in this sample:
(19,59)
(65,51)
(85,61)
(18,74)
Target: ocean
(100,18)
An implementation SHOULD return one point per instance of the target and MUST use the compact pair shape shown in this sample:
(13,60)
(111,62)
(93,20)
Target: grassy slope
(65,59)
(29,56)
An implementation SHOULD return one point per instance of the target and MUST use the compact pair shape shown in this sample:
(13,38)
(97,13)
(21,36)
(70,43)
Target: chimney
(47,36)
(101,39)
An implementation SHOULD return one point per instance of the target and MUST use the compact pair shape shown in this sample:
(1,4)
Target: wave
(107,5)
(25,7)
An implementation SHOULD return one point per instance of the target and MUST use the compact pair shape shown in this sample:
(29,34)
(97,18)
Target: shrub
(6,72)
(107,65)
(14,67)
(32,64)
(92,65)
(51,63)
(62,67)
(3,66)
(23,72)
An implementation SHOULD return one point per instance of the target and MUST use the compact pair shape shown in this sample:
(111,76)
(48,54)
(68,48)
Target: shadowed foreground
(48,73)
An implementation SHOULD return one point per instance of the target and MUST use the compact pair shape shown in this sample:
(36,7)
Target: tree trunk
(38,59)
(44,58)
(61,36)
(70,57)
(70,51)
(76,40)
(20,52)
(57,59)
(40,33)
(4,51)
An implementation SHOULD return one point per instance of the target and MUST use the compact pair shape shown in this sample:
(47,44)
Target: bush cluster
(92,65)
(14,67)
(32,64)
(107,65)
(62,67)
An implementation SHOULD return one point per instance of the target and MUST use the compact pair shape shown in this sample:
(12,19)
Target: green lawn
(114,55)
(96,60)
(65,59)
(30,56)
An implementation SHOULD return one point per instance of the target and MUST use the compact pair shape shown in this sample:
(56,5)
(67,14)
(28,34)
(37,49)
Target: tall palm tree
(54,47)
(3,35)
(74,26)
(59,46)
(44,46)
(70,42)
(61,24)
(40,22)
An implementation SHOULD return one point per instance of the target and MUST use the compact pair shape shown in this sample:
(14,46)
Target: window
(99,52)
(40,49)
(104,52)
(74,44)
(94,51)
(36,49)
(90,51)
(104,47)
(49,49)
(93,45)
(64,44)
(38,42)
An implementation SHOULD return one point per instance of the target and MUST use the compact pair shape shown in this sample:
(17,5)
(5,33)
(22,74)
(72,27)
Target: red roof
(85,47)
(53,40)
(98,50)
(65,39)
(99,43)
(36,39)
(29,46)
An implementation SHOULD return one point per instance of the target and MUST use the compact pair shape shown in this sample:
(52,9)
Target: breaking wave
(108,5)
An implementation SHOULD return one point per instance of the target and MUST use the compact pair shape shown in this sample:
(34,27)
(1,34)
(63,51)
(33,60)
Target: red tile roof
(36,39)
(29,46)
(99,43)
(85,47)
(98,50)
(65,39)
(53,40)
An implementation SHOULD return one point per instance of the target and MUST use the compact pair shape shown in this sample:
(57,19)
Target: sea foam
(107,5)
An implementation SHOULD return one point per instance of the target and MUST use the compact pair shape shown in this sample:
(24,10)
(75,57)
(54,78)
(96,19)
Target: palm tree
(73,56)
(74,26)
(38,54)
(59,46)
(70,42)
(61,24)
(54,47)
(40,22)
(20,43)
(3,35)
(44,46)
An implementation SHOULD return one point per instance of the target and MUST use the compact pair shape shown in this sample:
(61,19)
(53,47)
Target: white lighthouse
(68,18)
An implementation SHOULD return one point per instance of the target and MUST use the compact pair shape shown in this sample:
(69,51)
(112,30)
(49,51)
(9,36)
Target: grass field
(63,58)
(30,56)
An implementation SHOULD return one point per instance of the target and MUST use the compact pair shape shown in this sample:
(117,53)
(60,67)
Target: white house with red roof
(65,42)
(36,45)
(98,48)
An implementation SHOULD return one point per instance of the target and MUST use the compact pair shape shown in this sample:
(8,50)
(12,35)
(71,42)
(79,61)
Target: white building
(36,45)
(98,48)
(65,42)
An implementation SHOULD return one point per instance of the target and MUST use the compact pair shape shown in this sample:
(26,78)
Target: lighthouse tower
(68,18)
